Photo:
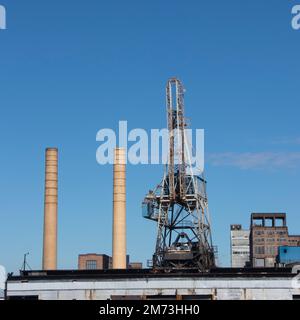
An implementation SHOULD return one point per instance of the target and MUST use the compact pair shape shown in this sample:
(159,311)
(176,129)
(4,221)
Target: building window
(91,264)
(259,250)
(269,222)
(259,240)
(259,232)
(259,222)
(281,232)
(241,253)
(271,251)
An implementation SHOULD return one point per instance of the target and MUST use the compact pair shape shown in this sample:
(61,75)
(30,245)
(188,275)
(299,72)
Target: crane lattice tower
(179,203)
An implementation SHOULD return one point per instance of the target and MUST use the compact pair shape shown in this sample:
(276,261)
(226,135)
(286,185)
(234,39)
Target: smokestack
(119,210)
(50,211)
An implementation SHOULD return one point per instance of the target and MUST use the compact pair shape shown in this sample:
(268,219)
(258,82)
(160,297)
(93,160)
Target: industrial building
(94,261)
(269,231)
(240,246)
(218,284)
(135,265)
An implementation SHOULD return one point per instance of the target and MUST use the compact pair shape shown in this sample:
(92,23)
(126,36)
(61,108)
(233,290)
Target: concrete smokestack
(50,211)
(119,210)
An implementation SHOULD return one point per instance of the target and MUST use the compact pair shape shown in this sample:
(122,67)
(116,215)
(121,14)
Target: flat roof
(269,215)
(148,273)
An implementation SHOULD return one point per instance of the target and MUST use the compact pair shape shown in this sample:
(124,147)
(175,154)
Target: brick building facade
(269,231)
(93,261)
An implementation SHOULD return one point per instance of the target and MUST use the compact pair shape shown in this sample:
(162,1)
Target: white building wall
(240,248)
(2,281)
(221,288)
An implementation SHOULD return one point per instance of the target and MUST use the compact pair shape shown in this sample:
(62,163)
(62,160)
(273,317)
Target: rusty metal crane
(179,203)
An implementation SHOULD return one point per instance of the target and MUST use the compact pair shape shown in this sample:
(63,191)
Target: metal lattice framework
(179,203)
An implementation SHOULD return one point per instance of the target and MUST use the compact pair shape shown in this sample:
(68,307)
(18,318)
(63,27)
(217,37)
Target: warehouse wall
(222,289)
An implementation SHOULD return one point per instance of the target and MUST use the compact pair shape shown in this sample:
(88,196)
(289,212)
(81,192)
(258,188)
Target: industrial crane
(179,203)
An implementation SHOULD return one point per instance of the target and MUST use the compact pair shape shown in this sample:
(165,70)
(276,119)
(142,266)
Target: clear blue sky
(70,68)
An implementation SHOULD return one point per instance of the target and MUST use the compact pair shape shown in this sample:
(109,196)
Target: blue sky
(70,68)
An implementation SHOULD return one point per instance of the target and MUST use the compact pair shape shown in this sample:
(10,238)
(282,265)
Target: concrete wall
(240,248)
(220,289)
(2,281)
